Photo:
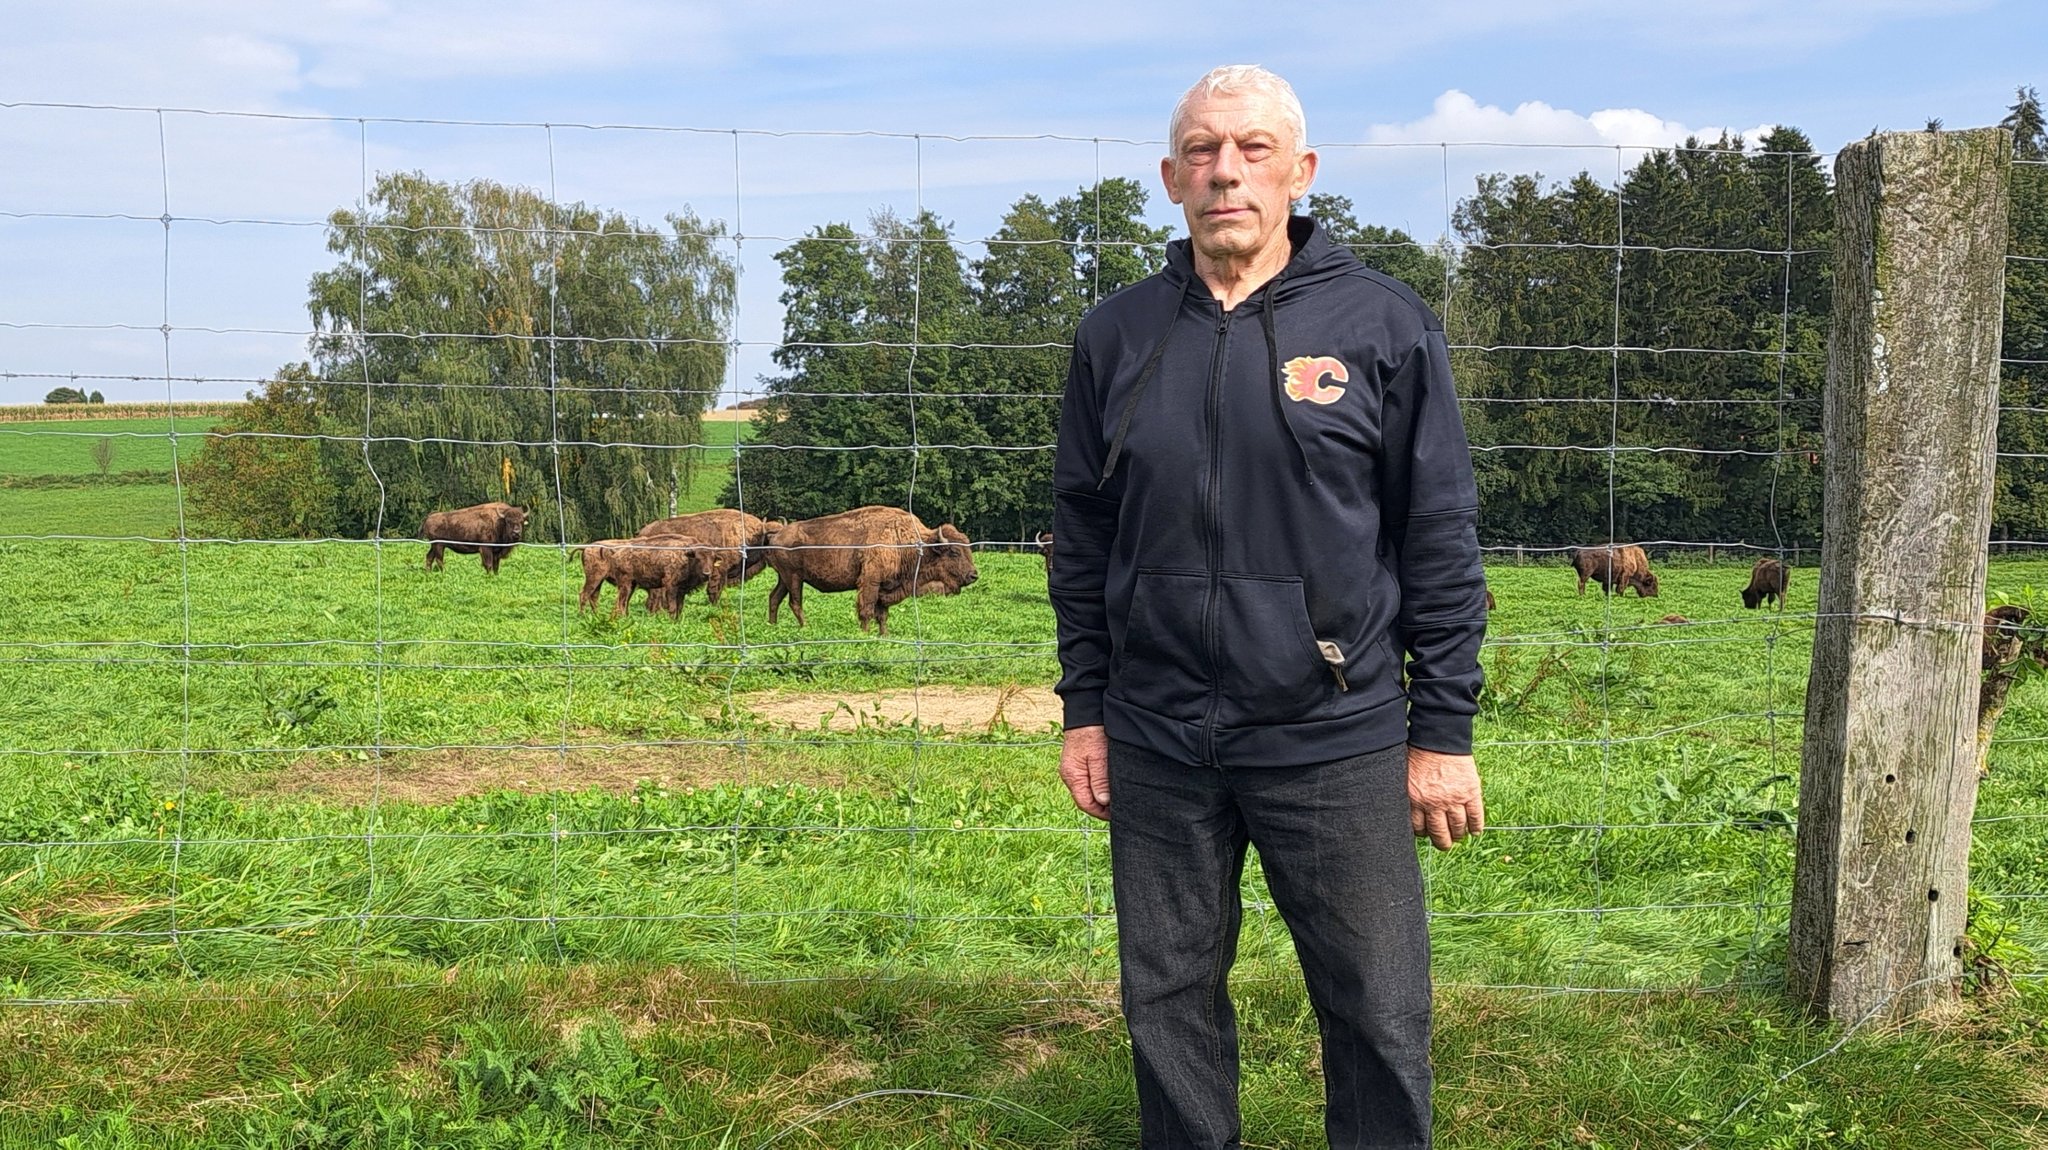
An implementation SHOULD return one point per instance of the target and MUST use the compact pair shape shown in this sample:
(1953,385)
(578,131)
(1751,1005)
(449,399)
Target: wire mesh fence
(248,733)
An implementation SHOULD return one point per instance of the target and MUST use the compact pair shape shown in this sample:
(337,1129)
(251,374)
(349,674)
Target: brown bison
(668,567)
(1489,599)
(1767,581)
(488,529)
(884,553)
(738,538)
(2004,636)
(1045,549)
(1616,569)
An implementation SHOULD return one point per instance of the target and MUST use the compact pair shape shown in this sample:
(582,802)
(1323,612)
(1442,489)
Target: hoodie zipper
(1215,534)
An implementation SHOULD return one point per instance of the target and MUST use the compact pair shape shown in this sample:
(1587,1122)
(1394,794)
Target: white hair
(1233,79)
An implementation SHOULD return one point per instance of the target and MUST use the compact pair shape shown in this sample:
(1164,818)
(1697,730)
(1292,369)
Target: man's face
(1235,169)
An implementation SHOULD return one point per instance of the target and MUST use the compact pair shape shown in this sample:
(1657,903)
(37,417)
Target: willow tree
(478,339)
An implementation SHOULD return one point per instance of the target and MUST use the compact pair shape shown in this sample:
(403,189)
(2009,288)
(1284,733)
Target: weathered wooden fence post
(1887,775)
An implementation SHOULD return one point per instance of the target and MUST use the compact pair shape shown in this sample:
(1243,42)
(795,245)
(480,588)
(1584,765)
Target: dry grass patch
(443,776)
(794,1096)
(83,902)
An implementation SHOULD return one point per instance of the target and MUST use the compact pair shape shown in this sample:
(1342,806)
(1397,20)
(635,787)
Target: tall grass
(513,1058)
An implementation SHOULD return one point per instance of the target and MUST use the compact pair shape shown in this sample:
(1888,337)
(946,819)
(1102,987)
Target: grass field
(143,511)
(385,857)
(757,861)
(65,447)
(76,504)
(714,464)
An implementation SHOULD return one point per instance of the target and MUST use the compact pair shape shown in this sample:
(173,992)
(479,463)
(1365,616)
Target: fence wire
(861,840)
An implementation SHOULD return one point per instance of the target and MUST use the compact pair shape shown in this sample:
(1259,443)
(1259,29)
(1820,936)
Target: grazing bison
(488,529)
(668,567)
(739,540)
(1767,581)
(1615,569)
(884,553)
(1045,549)
(1489,599)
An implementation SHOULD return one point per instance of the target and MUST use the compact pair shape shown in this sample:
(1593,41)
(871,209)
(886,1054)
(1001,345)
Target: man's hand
(1084,767)
(1443,796)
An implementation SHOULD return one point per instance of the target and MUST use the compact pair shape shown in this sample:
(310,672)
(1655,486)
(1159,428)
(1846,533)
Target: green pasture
(115,510)
(56,488)
(1640,780)
(712,464)
(64,447)
(378,856)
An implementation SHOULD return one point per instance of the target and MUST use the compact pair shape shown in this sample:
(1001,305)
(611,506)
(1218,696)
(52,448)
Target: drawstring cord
(1280,381)
(1151,368)
(1123,426)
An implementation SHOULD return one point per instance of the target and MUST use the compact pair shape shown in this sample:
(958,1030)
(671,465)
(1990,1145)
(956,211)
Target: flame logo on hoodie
(1305,378)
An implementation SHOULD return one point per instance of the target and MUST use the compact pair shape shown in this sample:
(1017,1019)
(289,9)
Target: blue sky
(1595,73)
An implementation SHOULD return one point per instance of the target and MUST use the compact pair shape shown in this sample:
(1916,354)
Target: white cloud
(1456,118)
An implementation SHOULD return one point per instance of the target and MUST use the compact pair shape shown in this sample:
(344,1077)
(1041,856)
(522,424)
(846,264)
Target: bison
(884,553)
(737,538)
(668,567)
(2004,637)
(1767,581)
(1615,569)
(487,529)
(1045,549)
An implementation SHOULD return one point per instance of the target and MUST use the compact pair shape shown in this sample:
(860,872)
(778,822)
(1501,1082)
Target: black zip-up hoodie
(1256,510)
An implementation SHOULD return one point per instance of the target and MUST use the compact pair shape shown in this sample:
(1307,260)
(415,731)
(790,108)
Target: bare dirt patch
(458,772)
(443,776)
(957,709)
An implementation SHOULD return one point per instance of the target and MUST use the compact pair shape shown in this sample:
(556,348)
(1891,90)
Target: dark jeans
(1339,856)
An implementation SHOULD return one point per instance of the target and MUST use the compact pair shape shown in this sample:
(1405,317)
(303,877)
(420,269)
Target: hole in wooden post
(1933,896)
(1958,951)
(1891,778)
(1911,835)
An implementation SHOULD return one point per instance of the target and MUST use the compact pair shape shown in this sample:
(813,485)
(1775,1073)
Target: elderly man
(1267,522)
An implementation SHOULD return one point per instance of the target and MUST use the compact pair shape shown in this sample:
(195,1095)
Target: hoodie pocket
(1270,669)
(1162,663)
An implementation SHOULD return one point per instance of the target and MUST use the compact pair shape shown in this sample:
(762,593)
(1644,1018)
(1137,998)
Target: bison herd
(883,554)
(1618,568)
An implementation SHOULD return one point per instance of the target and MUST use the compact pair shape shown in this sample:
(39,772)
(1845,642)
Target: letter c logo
(1305,378)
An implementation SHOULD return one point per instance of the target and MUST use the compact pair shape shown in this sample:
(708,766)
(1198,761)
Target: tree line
(476,342)
(1642,362)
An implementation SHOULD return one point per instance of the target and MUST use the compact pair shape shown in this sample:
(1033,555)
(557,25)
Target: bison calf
(884,553)
(1767,581)
(738,542)
(487,529)
(668,567)
(1615,569)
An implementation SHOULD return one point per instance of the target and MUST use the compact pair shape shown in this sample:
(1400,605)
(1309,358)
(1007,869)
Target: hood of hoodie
(1315,260)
